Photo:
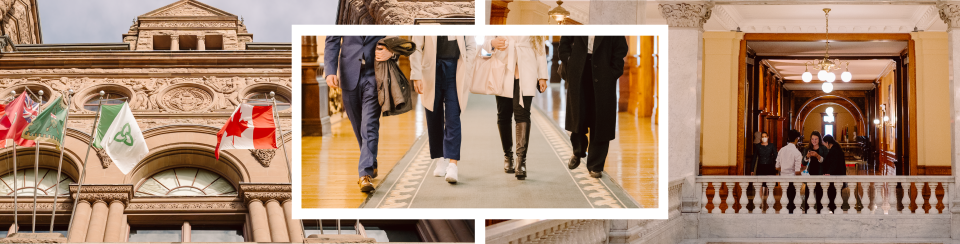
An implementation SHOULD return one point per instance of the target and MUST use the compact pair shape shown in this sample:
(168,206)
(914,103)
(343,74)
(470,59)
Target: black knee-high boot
(523,139)
(506,140)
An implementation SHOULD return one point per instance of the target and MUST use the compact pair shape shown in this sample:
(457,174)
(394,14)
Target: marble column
(293,225)
(81,219)
(950,13)
(278,225)
(114,222)
(258,217)
(98,222)
(174,42)
(617,12)
(201,45)
(685,41)
(187,228)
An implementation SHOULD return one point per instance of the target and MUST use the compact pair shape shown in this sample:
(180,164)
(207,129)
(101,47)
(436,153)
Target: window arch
(186,182)
(26,187)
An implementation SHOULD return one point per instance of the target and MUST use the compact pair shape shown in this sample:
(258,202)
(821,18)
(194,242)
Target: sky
(104,21)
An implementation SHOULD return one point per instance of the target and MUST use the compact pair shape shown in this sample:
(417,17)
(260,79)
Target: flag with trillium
(122,139)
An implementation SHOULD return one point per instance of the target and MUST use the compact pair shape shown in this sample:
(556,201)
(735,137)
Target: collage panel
(480,147)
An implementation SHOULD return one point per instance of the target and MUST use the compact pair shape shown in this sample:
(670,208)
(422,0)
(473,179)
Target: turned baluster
(831,197)
(709,193)
(913,197)
(940,194)
(887,198)
(777,196)
(925,193)
(791,197)
(900,197)
(751,194)
(818,193)
(844,197)
(872,197)
(858,194)
(764,197)
(809,200)
(723,197)
(741,197)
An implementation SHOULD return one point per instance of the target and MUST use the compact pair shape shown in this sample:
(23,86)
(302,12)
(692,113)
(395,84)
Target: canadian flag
(250,127)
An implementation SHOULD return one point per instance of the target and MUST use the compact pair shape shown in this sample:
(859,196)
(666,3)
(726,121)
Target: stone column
(186,231)
(98,222)
(278,225)
(950,13)
(617,12)
(685,21)
(201,45)
(258,215)
(312,103)
(293,225)
(81,219)
(174,42)
(114,222)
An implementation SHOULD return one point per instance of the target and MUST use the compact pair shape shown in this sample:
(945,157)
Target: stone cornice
(146,59)
(103,193)
(686,14)
(265,192)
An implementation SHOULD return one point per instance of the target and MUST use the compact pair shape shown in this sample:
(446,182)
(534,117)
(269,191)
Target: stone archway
(825,100)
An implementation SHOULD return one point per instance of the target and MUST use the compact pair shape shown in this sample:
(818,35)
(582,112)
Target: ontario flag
(250,127)
(17,115)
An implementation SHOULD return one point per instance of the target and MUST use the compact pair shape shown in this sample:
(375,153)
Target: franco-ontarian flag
(123,139)
(49,124)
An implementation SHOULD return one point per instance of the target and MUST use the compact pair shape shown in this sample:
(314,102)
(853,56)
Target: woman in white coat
(527,71)
(439,68)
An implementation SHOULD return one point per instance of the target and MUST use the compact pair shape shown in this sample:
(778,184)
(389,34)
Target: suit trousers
(363,110)
(581,145)
(443,123)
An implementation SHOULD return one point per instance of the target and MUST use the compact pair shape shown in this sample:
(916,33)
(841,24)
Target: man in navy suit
(353,57)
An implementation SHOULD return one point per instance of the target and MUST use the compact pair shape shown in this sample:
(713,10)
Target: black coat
(834,163)
(608,60)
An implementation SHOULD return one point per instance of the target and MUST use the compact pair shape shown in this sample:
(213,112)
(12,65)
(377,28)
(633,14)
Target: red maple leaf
(236,126)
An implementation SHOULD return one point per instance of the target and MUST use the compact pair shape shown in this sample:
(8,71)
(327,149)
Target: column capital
(103,193)
(686,14)
(949,13)
(265,192)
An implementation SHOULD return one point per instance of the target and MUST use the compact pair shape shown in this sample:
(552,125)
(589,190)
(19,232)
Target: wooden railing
(825,194)
(524,231)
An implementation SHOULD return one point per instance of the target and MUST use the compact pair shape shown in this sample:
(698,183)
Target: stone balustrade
(527,231)
(855,195)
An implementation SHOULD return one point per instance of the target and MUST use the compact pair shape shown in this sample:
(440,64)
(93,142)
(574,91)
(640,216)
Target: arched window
(258,98)
(27,187)
(186,182)
(108,99)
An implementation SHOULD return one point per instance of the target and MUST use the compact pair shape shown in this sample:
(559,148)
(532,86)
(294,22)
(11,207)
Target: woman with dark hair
(813,154)
(834,162)
(764,153)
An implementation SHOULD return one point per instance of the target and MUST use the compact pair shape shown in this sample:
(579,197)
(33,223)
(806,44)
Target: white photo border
(485,213)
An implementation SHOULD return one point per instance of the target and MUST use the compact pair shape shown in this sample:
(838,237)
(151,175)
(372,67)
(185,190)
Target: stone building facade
(401,12)
(19,21)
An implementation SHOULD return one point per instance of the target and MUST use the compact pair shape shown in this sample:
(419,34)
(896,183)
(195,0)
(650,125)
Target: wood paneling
(718,170)
(499,11)
(933,170)
(820,37)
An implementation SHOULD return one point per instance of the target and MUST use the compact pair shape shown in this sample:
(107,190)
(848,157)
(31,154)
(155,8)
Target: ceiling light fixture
(559,13)
(826,66)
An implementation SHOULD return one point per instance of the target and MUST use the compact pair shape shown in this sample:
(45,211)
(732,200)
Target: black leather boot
(523,139)
(506,140)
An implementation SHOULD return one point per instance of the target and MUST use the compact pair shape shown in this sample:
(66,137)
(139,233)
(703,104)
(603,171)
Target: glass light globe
(827,87)
(846,76)
(831,77)
(807,77)
(876,121)
(822,75)
(830,110)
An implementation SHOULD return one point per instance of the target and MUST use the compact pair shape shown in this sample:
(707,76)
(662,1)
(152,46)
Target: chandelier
(826,66)
(559,13)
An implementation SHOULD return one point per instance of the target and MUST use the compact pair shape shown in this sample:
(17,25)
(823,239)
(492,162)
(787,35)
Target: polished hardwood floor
(329,169)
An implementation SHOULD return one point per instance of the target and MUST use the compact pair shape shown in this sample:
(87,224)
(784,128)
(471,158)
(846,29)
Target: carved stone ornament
(187,99)
(264,156)
(266,192)
(105,159)
(949,13)
(205,206)
(23,237)
(103,193)
(686,14)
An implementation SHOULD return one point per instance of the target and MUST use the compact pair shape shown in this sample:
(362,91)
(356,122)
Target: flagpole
(276,119)
(63,138)
(83,172)
(16,209)
(36,170)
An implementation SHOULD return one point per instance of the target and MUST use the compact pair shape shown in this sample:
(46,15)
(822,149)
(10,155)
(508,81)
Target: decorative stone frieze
(686,14)
(27,204)
(195,206)
(264,192)
(103,193)
(394,12)
(264,156)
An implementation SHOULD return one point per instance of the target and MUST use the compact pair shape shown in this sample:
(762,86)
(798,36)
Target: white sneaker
(451,173)
(441,167)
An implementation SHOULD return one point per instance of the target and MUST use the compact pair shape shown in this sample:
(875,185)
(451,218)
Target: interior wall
(720,86)
(933,98)
(887,91)
(528,13)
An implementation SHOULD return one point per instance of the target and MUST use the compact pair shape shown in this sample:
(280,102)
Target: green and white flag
(123,139)
(49,124)
(107,114)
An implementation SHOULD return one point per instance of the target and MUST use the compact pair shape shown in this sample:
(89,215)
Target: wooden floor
(329,167)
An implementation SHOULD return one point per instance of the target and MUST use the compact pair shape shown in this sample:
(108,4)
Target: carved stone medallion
(187,99)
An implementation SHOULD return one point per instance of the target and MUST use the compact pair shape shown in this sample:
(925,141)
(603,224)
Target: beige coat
(521,56)
(423,64)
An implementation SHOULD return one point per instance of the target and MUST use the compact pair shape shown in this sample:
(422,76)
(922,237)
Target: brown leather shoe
(365,184)
(374,175)
(596,174)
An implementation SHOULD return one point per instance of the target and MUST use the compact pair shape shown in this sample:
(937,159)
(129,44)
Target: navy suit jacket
(348,57)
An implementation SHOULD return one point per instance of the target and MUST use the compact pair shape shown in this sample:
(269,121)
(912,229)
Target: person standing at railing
(764,153)
(813,154)
(789,158)
(834,163)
